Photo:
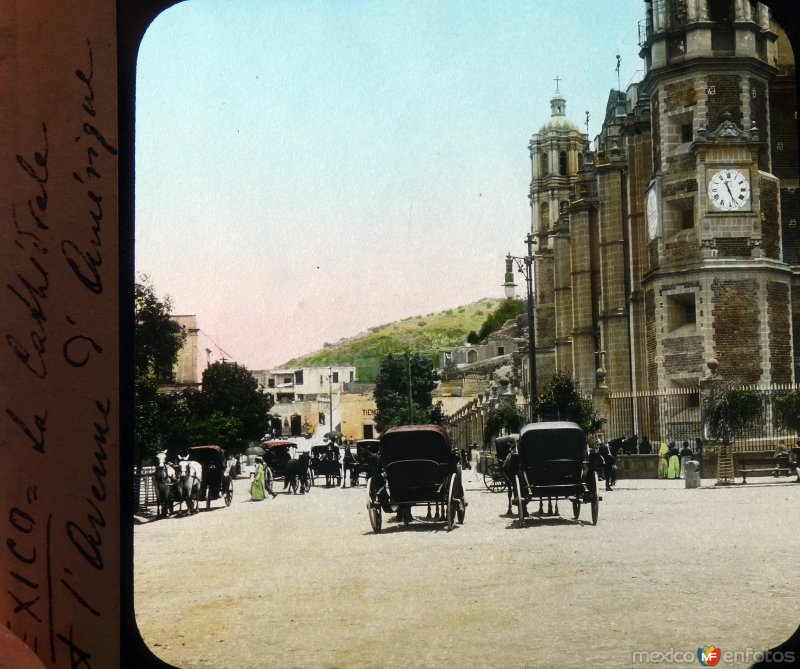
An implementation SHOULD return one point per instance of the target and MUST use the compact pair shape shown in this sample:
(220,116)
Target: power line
(219,348)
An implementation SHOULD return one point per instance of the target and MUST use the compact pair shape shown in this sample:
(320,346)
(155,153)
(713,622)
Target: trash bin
(692,474)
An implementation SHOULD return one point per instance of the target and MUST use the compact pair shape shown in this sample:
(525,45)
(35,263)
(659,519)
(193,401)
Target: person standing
(674,462)
(258,491)
(663,459)
(686,455)
(609,465)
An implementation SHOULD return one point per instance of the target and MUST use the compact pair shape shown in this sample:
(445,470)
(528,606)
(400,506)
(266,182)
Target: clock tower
(717,282)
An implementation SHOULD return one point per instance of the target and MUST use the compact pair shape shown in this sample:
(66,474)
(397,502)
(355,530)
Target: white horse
(190,476)
(164,482)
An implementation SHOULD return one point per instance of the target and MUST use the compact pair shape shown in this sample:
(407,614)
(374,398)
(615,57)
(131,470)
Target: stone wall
(758,113)
(780,343)
(770,231)
(790,225)
(735,309)
(724,95)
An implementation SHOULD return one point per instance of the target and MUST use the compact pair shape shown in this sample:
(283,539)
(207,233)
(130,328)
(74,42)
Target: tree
(392,392)
(508,309)
(157,341)
(157,338)
(506,418)
(728,409)
(230,411)
(561,400)
(786,407)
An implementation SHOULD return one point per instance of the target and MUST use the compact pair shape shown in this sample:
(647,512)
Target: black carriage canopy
(416,442)
(322,449)
(209,455)
(553,440)
(367,445)
(503,445)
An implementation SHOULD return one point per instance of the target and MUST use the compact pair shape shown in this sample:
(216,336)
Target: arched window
(562,163)
(544,216)
(472,356)
(580,161)
(543,166)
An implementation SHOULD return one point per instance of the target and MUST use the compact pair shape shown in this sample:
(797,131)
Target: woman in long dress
(258,489)
(674,464)
(663,454)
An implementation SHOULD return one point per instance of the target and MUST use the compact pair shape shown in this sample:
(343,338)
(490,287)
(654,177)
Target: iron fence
(144,489)
(676,414)
(660,415)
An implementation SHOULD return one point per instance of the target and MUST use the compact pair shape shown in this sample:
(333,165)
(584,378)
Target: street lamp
(526,267)
(330,396)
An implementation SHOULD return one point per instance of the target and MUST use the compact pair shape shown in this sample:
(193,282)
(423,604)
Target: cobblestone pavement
(301,581)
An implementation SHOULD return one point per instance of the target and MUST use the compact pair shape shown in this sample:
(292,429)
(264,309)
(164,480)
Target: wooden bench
(777,468)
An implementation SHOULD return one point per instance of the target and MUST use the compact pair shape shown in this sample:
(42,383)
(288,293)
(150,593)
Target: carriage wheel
(374,511)
(520,502)
(594,501)
(268,479)
(452,504)
(499,479)
(576,508)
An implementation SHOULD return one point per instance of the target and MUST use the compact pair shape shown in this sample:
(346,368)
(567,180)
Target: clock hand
(728,186)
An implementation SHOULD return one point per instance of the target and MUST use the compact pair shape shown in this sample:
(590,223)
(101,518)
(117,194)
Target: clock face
(652,214)
(729,190)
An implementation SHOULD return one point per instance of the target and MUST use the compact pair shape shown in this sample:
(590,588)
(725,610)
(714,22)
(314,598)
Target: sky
(306,170)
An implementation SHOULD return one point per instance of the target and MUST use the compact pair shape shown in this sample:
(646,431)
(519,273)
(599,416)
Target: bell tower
(717,283)
(556,154)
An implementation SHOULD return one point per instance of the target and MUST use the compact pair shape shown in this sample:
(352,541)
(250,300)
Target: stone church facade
(675,239)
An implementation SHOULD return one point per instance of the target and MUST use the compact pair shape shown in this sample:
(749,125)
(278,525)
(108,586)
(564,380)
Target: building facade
(674,240)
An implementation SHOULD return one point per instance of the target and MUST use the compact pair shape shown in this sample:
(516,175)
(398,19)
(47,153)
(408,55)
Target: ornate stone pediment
(727,131)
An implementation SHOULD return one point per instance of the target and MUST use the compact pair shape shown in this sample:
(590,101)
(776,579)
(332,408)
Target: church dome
(558,116)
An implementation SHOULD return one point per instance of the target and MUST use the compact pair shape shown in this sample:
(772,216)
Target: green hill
(418,334)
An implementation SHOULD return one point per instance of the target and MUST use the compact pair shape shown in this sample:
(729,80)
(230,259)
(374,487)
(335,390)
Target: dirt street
(302,582)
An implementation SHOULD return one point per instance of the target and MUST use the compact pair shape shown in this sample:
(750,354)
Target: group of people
(671,463)
(672,460)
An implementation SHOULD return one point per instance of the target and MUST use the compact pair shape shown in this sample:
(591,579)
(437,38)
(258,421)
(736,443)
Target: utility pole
(410,401)
(526,265)
(330,396)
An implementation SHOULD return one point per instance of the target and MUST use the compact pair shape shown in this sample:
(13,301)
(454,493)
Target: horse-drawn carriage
(417,466)
(277,454)
(494,478)
(216,481)
(366,451)
(325,461)
(552,462)
(200,474)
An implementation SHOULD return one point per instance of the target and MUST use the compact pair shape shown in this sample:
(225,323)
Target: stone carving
(727,130)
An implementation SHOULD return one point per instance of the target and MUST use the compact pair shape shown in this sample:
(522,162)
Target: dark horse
(296,474)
